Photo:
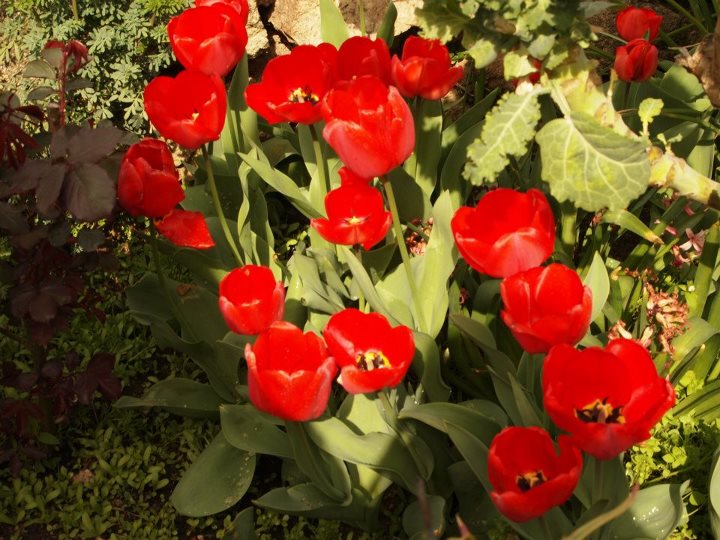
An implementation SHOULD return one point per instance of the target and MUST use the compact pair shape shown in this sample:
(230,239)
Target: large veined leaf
(217,479)
(592,165)
(508,129)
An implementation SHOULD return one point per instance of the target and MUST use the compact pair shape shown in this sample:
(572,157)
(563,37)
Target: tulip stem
(361,298)
(361,11)
(598,480)
(165,286)
(547,533)
(320,162)
(420,319)
(218,207)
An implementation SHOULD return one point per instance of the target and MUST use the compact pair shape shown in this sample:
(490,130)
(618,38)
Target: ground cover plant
(477,322)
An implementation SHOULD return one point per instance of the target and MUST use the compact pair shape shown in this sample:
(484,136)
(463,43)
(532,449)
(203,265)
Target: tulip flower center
(355,220)
(369,360)
(303,95)
(601,412)
(529,480)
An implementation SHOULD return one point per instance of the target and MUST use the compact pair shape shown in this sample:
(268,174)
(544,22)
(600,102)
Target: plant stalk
(361,297)
(218,207)
(320,162)
(400,238)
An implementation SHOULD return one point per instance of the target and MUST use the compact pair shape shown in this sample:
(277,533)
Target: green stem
(218,207)
(75,11)
(547,533)
(320,162)
(404,252)
(165,286)
(361,10)
(567,227)
(361,298)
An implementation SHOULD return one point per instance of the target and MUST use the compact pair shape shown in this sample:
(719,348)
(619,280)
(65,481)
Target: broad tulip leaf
(415,516)
(217,480)
(483,419)
(470,118)
(427,367)
(423,164)
(178,396)
(474,329)
(380,451)
(599,282)
(247,429)
(592,165)
(332,25)
(386,31)
(627,220)
(508,129)
(657,511)
(698,333)
(703,404)
(451,174)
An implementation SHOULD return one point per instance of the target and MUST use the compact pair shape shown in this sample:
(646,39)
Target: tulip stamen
(303,95)
(195,115)
(530,480)
(370,360)
(601,412)
(354,220)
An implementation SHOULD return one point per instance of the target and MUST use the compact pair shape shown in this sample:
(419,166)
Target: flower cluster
(290,373)
(606,399)
(638,59)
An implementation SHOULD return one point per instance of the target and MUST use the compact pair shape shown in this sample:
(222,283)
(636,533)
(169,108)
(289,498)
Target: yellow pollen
(530,479)
(369,360)
(355,220)
(303,95)
(601,412)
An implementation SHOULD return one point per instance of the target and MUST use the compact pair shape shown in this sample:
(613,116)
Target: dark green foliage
(126,38)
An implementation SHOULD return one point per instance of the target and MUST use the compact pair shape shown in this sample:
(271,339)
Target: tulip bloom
(527,474)
(189,109)
(289,373)
(356,215)
(546,306)
(293,85)
(360,56)
(238,9)
(506,233)
(148,182)
(637,23)
(369,126)
(251,299)
(371,354)
(607,399)
(349,177)
(636,61)
(424,69)
(206,39)
(185,229)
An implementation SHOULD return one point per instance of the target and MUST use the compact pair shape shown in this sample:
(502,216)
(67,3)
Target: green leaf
(380,451)
(714,494)
(178,396)
(416,514)
(441,19)
(591,165)
(599,282)
(386,31)
(89,192)
(649,109)
(475,330)
(508,129)
(627,220)
(428,139)
(483,419)
(332,25)
(698,333)
(217,480)
(517,65)
(41,92)
(657,511)
(39,69)
(426,366)
(248,429)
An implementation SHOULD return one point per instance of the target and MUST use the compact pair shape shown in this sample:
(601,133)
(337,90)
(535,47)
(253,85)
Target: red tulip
(369,126)
(607,399)
(424,69)
(293,85)
(185,229)
(349,177)
(546,306)
(251,299)
(360,56)
(148,182)
(189,109)
(636,61)
(356,215)
(371,354)
(289,373)
(238,9)
(506,233)
(637,23)
(527,474)
(206,39)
